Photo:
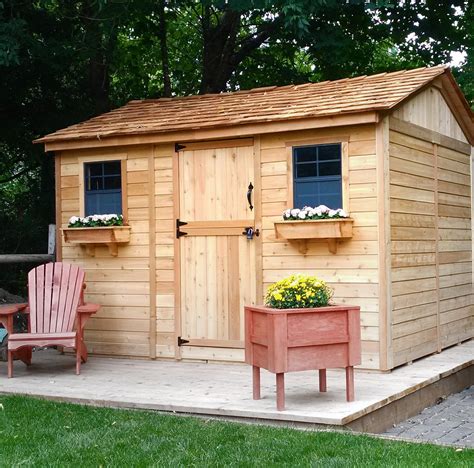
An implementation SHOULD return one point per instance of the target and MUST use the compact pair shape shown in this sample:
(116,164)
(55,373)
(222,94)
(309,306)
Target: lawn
(42,433)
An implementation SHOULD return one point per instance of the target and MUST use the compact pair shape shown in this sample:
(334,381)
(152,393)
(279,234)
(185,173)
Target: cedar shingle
(349,95)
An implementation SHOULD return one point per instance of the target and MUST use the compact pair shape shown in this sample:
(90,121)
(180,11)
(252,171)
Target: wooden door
(217,261)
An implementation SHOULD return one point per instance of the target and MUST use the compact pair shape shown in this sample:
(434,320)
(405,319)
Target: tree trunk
(222,52)
(218,50)
(99,47)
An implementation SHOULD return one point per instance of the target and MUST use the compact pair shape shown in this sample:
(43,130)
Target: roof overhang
(213,133)
(458,104)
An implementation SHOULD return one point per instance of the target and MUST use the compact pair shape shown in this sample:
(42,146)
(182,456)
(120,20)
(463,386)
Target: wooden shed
(394,150)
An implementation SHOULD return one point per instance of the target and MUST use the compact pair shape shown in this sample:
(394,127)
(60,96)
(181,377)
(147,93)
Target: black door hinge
(182,341)
(180,233)
(178,147)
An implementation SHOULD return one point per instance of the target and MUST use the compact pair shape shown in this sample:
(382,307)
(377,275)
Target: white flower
(332,213)
(342,213)
(323,208)
(74,219)
(286,213)
(302,215)
(295,212)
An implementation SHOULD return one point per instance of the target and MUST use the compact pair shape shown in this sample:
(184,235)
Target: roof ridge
(264,89)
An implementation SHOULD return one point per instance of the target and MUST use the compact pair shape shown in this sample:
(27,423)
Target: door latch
(250,232)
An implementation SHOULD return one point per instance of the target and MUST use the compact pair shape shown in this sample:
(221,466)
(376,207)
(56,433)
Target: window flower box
(315,223)
(97,230)
(331,230)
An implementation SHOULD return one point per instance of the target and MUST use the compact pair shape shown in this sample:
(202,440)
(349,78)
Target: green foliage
(10,40)
(64,61)
(44,433)
(297,292)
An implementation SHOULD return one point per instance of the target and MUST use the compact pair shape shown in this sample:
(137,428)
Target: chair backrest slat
(39,292)
(73,296)
(32,298)
(48,286)
(54,293)
(62,296)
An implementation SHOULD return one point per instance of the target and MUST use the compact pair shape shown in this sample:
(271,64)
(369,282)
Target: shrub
(298,291)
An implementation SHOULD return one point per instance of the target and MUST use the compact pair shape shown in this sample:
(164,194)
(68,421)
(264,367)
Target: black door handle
(249,196)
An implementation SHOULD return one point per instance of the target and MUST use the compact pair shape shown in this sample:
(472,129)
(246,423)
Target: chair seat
(42,336)
(20,340)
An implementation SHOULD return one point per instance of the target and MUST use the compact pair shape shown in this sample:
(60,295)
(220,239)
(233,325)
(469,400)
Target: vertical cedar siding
(166,288)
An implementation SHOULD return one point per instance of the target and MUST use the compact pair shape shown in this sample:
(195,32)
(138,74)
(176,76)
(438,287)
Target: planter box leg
(322,380)
(256,382)
(280,384)
(350,383)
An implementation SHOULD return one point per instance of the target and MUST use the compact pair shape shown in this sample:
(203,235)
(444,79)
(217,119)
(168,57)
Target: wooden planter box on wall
(90,237)
(285,340)
(331,230)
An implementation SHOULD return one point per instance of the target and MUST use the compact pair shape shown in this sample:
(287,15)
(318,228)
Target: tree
(63,61)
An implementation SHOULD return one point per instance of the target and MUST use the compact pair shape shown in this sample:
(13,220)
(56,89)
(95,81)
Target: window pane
(95,183)
(333,185)
(329,152)
(103,203)
(112,168)
(95,169)
(305,154)
(306,170)
(332,201)
(318,192)
(111,183)
(330,168)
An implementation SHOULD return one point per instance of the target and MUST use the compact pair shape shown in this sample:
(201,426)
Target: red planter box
(285,340)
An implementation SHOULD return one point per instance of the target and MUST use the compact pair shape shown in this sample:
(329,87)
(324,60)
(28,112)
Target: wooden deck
(225,390)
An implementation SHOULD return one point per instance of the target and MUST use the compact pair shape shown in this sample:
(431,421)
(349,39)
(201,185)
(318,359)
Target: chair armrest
(88,308)
(10,309)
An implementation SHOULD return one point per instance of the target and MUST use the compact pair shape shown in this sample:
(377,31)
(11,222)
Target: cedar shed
(193,175)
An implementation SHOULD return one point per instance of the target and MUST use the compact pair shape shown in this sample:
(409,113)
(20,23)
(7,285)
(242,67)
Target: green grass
(42,433)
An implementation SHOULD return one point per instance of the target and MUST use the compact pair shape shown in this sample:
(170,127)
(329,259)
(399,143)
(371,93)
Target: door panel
(217,260)
(214,183)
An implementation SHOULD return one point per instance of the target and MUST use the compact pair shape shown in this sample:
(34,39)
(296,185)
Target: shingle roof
(328,98)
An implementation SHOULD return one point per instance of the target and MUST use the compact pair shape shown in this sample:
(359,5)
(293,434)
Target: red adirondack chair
(56,310)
